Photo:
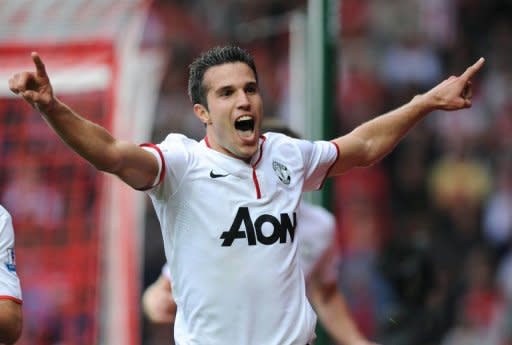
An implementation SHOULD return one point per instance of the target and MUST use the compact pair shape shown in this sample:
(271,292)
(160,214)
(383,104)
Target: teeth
(245,126)
(244,118)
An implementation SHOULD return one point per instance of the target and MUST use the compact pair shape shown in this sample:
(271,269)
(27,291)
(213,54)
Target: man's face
(234,114)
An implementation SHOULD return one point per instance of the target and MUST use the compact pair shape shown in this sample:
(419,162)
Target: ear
(202,113)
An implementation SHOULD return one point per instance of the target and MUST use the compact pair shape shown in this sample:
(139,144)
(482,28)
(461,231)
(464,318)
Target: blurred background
(425,235)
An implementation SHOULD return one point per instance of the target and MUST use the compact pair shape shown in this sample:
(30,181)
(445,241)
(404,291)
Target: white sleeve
(157,153)
(173,160)
(319,157)
(9,283)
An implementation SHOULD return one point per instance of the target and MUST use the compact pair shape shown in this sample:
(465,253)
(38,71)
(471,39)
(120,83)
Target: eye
(226,92)
(251,89)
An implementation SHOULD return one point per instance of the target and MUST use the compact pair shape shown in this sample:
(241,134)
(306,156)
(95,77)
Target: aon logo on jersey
(253,230)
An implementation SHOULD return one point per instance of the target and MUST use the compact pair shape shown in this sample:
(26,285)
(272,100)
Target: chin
(247,153)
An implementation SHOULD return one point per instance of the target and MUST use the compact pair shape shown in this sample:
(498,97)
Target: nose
(243,101)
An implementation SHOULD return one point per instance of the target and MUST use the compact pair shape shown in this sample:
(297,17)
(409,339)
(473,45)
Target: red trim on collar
(256,183)
(263,138)
(254,175)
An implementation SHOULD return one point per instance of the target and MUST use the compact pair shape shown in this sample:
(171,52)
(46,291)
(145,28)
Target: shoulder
(280,144)
(278,138)
(178,140)
(179,147)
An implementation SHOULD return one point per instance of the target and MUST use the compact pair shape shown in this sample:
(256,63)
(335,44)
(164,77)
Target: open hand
(455,92)
(34,87)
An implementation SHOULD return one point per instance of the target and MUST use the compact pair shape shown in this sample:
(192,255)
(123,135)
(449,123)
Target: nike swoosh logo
(214,175)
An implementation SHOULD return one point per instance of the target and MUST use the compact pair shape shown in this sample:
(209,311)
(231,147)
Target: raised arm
(373,140)
(132,164)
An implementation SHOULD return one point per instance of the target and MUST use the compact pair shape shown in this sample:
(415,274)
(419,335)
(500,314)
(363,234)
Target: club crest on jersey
(282,172)
(11,260)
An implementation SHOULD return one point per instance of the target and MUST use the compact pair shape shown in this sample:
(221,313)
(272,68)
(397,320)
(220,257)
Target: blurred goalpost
(313,74)
(313,59)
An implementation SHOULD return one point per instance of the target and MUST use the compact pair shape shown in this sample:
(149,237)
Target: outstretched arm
(158,303)
(10,321)
(134,165)
(371,141)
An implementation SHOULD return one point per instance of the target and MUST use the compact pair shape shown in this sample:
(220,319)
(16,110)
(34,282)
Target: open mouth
(245,126)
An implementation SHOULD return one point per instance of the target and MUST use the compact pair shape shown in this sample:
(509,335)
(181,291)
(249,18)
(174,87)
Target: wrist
(50,108)
(423,103)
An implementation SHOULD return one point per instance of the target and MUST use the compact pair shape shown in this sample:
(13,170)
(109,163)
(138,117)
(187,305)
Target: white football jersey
(9,282)
(315,233)
(229,236)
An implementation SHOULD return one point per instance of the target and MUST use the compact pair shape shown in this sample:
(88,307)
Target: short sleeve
(174,156)
(9,282)
(319,157)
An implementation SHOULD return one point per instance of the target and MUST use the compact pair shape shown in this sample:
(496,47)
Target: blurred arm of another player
(329,303)
(134,165)
(10,321)
(157,301)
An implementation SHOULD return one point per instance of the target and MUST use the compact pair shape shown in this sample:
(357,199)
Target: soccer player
(10,291)
(317,258)
(227,204)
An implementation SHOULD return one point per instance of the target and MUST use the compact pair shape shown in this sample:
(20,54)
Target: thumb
(38,101)
(30,96)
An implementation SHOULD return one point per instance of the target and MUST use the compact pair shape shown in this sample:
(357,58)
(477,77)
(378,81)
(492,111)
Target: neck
(223,150)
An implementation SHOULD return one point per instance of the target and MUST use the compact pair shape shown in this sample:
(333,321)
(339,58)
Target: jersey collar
(256,158)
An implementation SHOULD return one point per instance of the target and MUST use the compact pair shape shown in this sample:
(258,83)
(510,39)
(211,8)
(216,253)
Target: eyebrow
(231,87)
(224,88)
(252,83)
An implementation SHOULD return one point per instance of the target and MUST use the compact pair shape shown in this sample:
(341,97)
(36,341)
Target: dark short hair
(214,57)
